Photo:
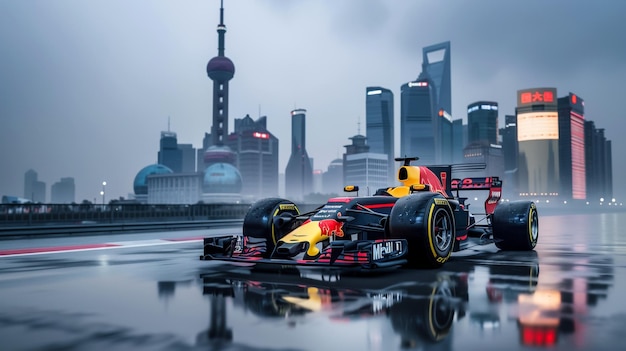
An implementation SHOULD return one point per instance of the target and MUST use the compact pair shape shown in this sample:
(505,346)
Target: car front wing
(364,254)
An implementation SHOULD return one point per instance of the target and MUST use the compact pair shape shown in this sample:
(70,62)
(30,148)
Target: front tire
(516,226)
(266,222)
(426,221)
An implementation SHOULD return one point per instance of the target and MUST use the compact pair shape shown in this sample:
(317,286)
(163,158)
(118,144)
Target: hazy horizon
(87,87)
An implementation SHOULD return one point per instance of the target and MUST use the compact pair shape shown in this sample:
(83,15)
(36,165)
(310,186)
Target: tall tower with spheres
(222,180)
(221,70)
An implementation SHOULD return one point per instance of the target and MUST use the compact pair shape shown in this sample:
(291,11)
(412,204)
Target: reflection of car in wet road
(419,224)
(420,313)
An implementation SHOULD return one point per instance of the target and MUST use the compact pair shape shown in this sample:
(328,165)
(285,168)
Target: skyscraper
(538,140)
(436,67)
(482,138)
(367,170)
(299,171)
(426,109)
(169,155)
(459,140)
(598,159)
(63,191)
(30,178)
(34,189)
(510,152)
(572,147)
(332,179)
(188,153)
(257,157)
(482,122)
(419,131)
(380,123)
(446,141)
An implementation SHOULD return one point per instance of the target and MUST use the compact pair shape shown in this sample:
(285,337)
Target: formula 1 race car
(417,224)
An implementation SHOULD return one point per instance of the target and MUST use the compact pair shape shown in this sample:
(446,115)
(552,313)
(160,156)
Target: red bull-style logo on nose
(331,227)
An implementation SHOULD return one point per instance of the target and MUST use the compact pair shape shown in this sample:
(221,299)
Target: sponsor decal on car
(385,249)
(287,207)
(441,202)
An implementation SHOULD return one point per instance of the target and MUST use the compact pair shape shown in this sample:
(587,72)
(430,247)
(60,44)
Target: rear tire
(267,221)
(426,221)
(516,226)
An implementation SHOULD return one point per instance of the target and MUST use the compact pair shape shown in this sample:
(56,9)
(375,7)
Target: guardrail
(117,228)
(20,220)
(60,214)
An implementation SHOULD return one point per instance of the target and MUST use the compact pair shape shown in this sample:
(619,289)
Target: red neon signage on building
(536,96)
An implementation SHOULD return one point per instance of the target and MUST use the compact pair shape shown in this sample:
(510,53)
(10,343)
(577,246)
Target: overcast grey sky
(86,87)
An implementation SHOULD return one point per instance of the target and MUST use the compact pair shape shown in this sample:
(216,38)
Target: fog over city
(86,87)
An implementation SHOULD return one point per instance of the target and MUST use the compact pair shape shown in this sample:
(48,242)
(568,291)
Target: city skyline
(87,74)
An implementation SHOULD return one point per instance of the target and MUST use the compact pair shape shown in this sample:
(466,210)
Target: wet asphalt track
(150,292)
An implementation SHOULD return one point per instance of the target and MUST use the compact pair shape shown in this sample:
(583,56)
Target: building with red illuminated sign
(538,143)
(560,153)
(257,157)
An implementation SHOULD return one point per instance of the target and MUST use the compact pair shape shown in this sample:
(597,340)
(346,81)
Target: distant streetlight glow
(104,184)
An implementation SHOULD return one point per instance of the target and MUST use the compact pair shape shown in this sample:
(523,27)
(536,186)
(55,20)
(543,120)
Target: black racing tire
(267,221)
(515,226)
(426,221)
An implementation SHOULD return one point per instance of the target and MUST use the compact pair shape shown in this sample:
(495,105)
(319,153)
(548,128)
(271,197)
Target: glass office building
(426,127)
(418,128)
(257,157)
(380,122)
(482,122)
(299,171)
(572,147)
(436,67)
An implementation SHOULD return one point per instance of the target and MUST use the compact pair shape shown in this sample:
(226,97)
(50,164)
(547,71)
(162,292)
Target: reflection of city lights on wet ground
(539,317)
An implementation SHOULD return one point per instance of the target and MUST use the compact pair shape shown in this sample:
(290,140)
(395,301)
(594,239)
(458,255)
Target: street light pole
(102,192)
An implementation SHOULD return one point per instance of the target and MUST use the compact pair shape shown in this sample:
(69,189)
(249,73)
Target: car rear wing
(476,183)
(493,184)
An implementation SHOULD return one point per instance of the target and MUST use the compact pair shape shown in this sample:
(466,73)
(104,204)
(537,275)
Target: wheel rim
(534,226)
(442,231)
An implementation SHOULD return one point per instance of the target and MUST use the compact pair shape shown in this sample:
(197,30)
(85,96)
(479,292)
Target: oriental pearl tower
(221,176)
(220,69)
